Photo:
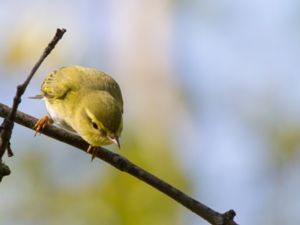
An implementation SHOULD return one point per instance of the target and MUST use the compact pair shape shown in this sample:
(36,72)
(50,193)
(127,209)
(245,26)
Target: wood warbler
(85,101)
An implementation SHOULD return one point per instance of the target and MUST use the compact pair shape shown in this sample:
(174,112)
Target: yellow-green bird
(85,101)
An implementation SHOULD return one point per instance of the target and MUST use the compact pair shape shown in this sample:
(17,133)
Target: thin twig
(123,164)
(8,123)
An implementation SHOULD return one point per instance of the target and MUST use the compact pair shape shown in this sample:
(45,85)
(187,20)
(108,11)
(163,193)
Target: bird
(85,101)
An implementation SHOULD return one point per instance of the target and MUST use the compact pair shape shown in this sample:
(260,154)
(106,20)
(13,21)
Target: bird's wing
(70,78)
(58,83)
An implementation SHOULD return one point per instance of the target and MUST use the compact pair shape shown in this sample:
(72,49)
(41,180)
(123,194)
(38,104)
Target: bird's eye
(95,125)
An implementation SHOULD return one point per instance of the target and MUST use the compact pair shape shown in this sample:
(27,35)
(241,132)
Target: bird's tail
(36,97)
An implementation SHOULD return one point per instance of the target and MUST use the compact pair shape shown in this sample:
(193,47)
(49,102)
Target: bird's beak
(115,140)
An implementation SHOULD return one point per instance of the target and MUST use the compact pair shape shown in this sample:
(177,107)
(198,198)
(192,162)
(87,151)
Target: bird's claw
(93,151)
(41,124)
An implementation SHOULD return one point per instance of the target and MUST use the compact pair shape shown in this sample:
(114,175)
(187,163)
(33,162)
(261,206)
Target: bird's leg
(92,150)
(41,123)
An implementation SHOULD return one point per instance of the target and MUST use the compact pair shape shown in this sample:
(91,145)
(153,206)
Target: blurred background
(211,92)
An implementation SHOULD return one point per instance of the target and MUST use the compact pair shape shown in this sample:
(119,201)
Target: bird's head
(102,119)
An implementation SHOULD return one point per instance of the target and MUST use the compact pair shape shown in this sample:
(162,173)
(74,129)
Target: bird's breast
(57,117)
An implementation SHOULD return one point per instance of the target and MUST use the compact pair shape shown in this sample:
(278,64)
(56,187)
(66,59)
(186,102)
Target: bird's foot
(93,151)
(41,124)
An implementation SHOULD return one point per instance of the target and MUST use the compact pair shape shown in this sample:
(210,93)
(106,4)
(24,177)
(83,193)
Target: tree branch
(125,165)
(8,124)
(11,115)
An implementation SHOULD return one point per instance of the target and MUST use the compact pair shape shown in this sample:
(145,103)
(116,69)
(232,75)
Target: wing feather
(73,78)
